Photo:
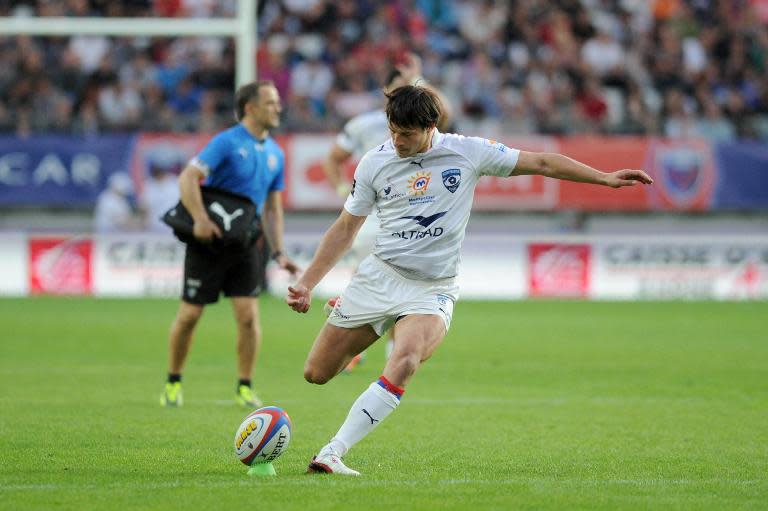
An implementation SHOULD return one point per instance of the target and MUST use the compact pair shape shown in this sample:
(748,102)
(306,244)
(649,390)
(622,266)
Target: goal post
(242,28)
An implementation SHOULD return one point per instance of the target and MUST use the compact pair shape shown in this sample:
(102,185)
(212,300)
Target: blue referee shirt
(236,161)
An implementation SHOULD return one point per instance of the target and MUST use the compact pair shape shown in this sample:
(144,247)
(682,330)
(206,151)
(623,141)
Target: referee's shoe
(246,397)
(172,395)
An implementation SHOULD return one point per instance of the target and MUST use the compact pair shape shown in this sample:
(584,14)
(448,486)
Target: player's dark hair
(246,93)
(413,107)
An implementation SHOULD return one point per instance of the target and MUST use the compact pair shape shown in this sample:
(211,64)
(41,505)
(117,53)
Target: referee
(244,160)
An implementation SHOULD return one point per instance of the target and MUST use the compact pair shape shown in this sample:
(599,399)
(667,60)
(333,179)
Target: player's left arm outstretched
(559,166)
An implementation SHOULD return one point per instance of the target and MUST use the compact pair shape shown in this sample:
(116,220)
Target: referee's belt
(235,215)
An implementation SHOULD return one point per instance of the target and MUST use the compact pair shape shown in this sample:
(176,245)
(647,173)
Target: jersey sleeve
(491,158)
(349,136)
(362,198)
(212,155)
(278,182)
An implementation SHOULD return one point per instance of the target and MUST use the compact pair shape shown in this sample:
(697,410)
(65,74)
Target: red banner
(60,266)
(606,154)
(559,269)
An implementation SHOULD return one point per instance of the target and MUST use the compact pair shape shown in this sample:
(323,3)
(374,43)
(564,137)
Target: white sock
(372,407)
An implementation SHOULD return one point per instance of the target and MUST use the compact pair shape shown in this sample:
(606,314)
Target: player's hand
(205,230)
(627,177)
(343,189)
(299,298)
(287,264)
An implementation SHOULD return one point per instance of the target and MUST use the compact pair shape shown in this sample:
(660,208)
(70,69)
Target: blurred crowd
(671,67)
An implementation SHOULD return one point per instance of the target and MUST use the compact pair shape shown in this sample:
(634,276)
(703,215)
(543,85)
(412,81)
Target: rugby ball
(263,435)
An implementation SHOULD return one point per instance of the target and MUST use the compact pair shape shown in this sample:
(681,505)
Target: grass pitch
(526,405)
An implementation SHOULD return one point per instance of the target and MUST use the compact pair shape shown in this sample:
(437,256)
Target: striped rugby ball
(263,435)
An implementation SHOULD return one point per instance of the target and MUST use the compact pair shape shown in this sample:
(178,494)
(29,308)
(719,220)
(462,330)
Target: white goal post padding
(242,28)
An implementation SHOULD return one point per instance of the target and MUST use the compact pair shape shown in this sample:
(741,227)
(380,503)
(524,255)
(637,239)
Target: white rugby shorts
(377,295)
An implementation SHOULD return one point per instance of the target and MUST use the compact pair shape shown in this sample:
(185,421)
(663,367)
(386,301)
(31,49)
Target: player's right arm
(336,241)
(334,169)
(338,238)
(192,198)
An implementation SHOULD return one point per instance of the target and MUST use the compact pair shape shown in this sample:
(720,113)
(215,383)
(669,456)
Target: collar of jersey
(257,140)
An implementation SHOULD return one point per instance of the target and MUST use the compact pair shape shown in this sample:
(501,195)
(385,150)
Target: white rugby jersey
(364,132)
(423,201)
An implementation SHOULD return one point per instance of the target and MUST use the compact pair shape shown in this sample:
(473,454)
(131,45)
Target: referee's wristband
(276,254)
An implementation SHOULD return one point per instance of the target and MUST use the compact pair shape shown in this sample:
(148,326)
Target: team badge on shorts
(452,179)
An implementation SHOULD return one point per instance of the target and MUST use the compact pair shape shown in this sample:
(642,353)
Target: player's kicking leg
(417,335)
(333,349)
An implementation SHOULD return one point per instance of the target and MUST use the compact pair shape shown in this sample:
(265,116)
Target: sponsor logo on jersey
(418,183)
(417,201)
(423,221)
(417,235)
(352,192)
(417,188)
(426,221)
(389,193)
(272,162)
(414,162)
(495,143)
(451,179)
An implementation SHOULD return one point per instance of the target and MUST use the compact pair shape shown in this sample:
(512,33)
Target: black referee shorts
(234,272)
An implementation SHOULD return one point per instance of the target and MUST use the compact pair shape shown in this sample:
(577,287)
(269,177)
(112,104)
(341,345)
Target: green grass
(526,405)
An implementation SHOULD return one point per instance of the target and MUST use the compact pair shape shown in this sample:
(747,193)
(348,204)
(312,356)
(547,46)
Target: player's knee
(188,317)
(247,322)
(313,375)
(408,363)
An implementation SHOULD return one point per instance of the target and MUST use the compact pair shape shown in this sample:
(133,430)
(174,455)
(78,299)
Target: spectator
(186,98)
(328,56)
(604,56)
(592,107)
(119,106)
(160,193)
(713,125)
(312,79)
(114,212)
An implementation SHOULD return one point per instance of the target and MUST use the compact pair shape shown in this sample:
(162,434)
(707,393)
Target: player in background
(245,160)
(359,135)
(410,279)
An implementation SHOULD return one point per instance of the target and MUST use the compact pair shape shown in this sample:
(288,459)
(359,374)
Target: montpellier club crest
(451,179)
